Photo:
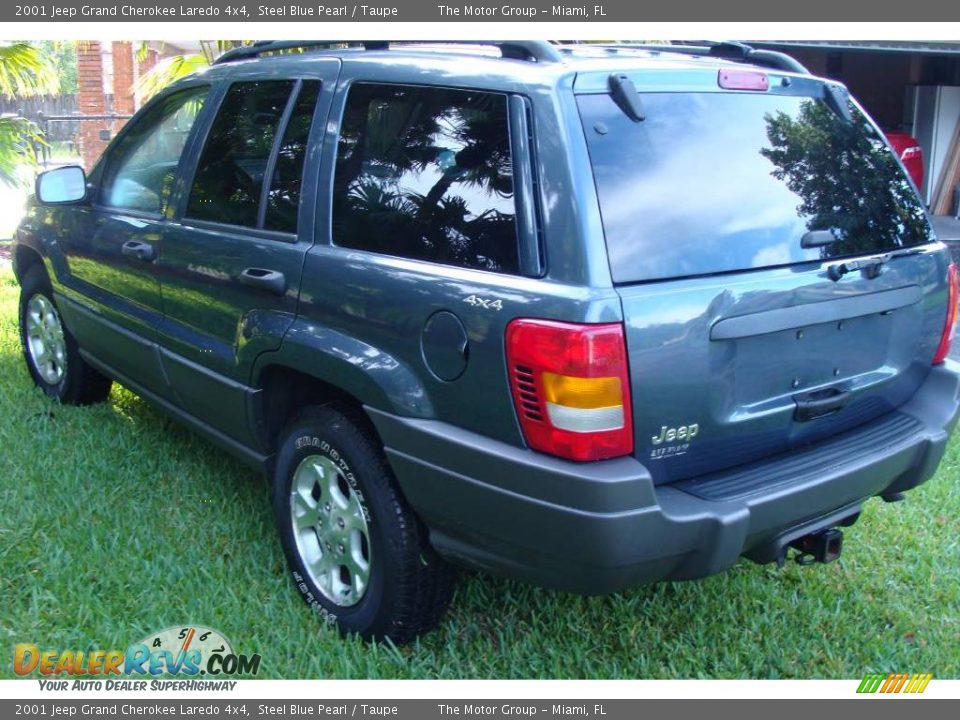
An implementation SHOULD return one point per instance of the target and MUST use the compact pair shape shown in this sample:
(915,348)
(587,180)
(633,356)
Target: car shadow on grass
(885,605)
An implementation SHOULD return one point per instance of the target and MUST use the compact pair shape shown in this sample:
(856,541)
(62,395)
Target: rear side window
(714,182)
(255,139)
(426,173)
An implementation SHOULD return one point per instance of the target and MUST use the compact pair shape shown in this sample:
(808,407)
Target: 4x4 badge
(486,303)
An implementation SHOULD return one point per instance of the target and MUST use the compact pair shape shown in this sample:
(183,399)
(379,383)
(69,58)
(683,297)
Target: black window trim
(530,247)
(258,232)
(275,151)
(103,166)
(526,188)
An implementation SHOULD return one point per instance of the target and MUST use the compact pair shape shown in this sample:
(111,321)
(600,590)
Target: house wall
(879,79)
(879,82)
(106,78)
(91,100)
(123,77)
(885,82)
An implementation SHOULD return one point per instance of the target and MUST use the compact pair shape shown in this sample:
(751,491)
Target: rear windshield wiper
(870,266)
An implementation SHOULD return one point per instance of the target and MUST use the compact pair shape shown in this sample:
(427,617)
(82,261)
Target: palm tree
(171,69)
(24,71)
(175,67)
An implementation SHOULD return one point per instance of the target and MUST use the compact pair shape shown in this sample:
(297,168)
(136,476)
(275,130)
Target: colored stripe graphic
(920,683)
(871,682)
(895,683)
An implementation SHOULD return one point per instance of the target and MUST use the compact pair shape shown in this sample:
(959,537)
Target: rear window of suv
(717,182)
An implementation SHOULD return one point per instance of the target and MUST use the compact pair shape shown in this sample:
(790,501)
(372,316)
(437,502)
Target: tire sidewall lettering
(304,446)
(316,443)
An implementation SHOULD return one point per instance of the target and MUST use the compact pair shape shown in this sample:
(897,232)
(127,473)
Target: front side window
(141,170)
(426,173)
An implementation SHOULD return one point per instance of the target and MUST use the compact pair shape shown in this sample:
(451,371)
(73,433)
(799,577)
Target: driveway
(948,230)
(11,208)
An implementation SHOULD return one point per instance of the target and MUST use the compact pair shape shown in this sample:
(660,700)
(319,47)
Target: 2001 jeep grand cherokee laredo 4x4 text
(587,317)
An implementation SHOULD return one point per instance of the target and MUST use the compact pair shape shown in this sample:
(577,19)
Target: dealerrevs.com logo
(188,651)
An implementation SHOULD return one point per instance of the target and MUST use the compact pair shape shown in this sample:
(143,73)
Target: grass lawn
(117,522)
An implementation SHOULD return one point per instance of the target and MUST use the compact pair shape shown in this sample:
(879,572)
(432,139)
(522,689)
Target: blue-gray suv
(589,317)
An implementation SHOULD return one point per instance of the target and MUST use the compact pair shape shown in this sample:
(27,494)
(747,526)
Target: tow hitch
(823,546)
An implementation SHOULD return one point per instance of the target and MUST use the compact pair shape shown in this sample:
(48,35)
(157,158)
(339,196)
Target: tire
(50,350)
(379,577)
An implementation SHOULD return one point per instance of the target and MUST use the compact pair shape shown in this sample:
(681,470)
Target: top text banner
(523,11)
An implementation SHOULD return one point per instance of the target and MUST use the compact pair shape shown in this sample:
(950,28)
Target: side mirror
(67,184)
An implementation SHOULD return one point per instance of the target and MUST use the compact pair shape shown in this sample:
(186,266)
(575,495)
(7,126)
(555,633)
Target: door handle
(139,250)
(819,403)
(262,279)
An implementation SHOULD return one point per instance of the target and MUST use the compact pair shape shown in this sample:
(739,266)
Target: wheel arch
(285,391)
(320,364)
(24,258)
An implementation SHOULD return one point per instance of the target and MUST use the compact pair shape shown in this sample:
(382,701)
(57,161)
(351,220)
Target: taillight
(950,327)
(570,387)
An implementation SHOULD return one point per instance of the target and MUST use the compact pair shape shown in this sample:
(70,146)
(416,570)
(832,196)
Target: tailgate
(729,370)
(778,273)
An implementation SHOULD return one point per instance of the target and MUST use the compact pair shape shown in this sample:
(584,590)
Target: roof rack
(728,50)
(531,50)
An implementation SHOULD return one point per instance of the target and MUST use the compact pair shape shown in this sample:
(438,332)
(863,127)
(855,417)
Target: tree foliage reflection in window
(426,173)
(846,179)
(230,174)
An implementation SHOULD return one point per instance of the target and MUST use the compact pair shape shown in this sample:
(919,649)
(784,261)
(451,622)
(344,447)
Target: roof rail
(532,50)
(729,50)
(265,46)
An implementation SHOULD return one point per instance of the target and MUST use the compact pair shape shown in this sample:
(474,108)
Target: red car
(910,153)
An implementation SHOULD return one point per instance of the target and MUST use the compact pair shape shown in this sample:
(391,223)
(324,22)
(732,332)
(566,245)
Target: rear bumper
(600,527)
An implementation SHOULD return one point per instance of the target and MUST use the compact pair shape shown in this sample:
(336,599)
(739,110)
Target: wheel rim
(45,343)
(331,531)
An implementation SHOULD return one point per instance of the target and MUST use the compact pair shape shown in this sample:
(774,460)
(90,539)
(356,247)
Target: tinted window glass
(426,173)
(283,200)
(141,169)
(230,174)
(712,182)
